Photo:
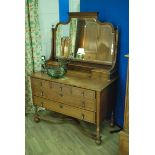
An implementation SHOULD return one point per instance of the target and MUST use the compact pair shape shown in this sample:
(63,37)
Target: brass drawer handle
(82,117)
(50,85)
(83,103)
(61,95)
(42,103)
(42,93)
(60,88)
(41,83)
(82,93)
(61,106)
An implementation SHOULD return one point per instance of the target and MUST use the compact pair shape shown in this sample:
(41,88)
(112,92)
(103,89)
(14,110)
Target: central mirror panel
(85,39)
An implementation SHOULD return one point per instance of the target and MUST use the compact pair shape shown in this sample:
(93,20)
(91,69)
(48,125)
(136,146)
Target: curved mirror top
(85,39)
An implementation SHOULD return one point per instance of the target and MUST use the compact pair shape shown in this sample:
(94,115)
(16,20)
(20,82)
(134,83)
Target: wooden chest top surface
(78,79)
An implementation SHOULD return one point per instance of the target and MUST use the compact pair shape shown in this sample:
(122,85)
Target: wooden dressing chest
(87,91)
(75,96)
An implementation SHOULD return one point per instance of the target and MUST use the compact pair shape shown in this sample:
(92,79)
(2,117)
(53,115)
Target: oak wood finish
(88,65)
(83,14)
(87,92)
(65,109)
(75,95)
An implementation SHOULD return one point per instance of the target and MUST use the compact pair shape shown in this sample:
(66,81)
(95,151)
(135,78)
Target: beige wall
(48,16)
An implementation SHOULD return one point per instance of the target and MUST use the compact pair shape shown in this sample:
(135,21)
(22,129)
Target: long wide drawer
(65,109)
(71,100)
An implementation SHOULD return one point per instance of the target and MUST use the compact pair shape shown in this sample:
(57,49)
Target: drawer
(41,87)
(61,88)
(56,87)
(36,82)
(48,86)
(64,93)
(38,101)
(55,91)
(65,109)
(83,93)
(77,102)
(85,104)
(36,85)
(69,99)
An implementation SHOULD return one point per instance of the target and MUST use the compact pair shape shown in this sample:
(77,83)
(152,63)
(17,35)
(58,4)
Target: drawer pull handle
(60,88)
(82,117)
(42,93)
(50,85)
(61,95)
(61,106)
(82,93)
(83,103)
(41,83)
(42,104)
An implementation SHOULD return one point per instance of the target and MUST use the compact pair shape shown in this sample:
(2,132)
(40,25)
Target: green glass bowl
(56,72)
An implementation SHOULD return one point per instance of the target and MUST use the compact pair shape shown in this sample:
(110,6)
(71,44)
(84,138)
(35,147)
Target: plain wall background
(48,16)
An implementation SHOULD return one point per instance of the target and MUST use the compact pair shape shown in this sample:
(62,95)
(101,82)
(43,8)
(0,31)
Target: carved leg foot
(98,137)
(36,119)
(112,124)
(98,141)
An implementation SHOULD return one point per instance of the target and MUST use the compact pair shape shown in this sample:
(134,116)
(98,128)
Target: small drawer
(57,87)
(37,85)
(61,88)
(36,82)
(41,87)
(66,89)
(78,102)
(84,93)
(66,97)
(38,101)
(47,85)
(86,104)
(99,74)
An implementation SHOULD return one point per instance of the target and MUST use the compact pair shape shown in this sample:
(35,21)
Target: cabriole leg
(98,137)
(36,115)
(98,121)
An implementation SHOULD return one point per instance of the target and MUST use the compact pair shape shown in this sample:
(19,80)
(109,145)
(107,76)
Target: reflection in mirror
(85,39)
(66,38)
(62,40)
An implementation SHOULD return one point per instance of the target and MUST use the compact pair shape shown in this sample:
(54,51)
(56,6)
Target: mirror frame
(83,63)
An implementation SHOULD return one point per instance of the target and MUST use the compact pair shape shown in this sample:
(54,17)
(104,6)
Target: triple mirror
(84,38)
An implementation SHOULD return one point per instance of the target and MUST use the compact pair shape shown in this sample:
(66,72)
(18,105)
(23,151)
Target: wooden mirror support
(108,65)
(88,90)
